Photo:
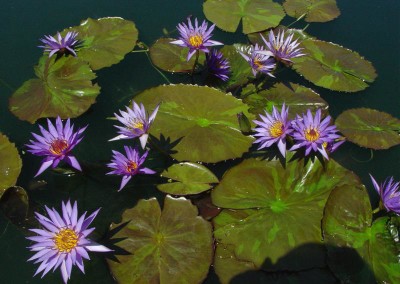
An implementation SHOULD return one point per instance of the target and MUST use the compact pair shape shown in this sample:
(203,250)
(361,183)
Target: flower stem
(298,19)
(376,210)
(194,65)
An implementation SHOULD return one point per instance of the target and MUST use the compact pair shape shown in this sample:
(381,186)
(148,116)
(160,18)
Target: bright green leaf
(314,10)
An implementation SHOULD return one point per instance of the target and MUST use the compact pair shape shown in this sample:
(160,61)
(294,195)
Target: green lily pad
(105,41)
(334,67)
(64,89)
(347,224)
(276,210)
(201,120)
(172,58)
(239,67)
(187,178)
(10,165)
(314,10)
(172,246)
(256,15)
(369,128)
(298,98)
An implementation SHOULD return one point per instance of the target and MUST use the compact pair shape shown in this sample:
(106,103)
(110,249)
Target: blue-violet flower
(60,45)
(389,191)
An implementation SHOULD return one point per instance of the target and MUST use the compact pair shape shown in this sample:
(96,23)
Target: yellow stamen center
(136,124)
(131,166)
(276,129)
(196,40)
(258,63)
(57,147)
(311,134)
(65,240)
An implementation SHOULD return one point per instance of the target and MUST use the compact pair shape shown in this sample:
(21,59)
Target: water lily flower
(389,192)
(313,134)
(56,144)
(260,60)
(129,165)
(63,240)
(136,123)
(273,128)
(283,48)
(217,65)
(60,45)
(195,38)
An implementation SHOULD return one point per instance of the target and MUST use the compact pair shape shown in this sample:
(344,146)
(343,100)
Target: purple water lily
(129,165)
(195,38)
(217,65)
(389,191)
(136,123)
(56,144)
(260,60)
(273,129)
(63,240)
(312,134)
(60,45)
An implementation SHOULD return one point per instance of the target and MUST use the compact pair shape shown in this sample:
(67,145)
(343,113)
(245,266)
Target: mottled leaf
(314,10)
(256,15)
(172,246)
(10,164)
(187,178)
(334,67)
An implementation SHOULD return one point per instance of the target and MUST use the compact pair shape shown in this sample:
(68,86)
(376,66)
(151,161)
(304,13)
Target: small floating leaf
(334,67)
(369,128)
(256,15)
(187,178)
(172,246)
(10,164)
(314,10)
(15,204)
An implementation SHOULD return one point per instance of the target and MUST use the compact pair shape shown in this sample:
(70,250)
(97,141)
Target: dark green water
(368,27)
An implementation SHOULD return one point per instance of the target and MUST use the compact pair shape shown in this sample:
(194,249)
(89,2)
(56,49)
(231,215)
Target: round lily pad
(172,246)
(358,251)
(369,128)
(14,204)
(10,165)
(276,210)
(314,10)
(334,67)
(201,121)
(187,178)
(64,89)
(256,15)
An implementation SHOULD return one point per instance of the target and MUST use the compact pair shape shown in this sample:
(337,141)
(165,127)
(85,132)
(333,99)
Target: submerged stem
(298,19)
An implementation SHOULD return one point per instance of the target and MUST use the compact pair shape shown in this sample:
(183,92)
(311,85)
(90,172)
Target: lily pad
(15,204)
(334,67)
(187,178)
(314,10)
(172,58)
(172,246)
(201,120)
(256,15)
(106,40)
(298,98)
(347,224)
(369,128)
(10,165)
(64,89)
(276,210)
(240,68)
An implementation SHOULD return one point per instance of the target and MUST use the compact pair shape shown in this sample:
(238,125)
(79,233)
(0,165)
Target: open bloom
(217,65)
(313,134)
(60,45)
(129,165)
(273,129)
(195,38)
(260,60)
(63,240)
(390,194)
(283,49)
(56,144)
(136,123)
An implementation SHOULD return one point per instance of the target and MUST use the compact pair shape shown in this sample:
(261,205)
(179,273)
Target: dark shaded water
(368,27)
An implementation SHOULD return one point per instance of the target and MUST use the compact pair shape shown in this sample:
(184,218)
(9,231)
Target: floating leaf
(105,41)
(172,246)
(64,89)
(334,67)
(276,210)
(256,15)
(10,164)
(200,120)
(347,224)
(369,128)
(239,67)
(187,178)
(314,10)
(298,98)
(15,204)
(172,58)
